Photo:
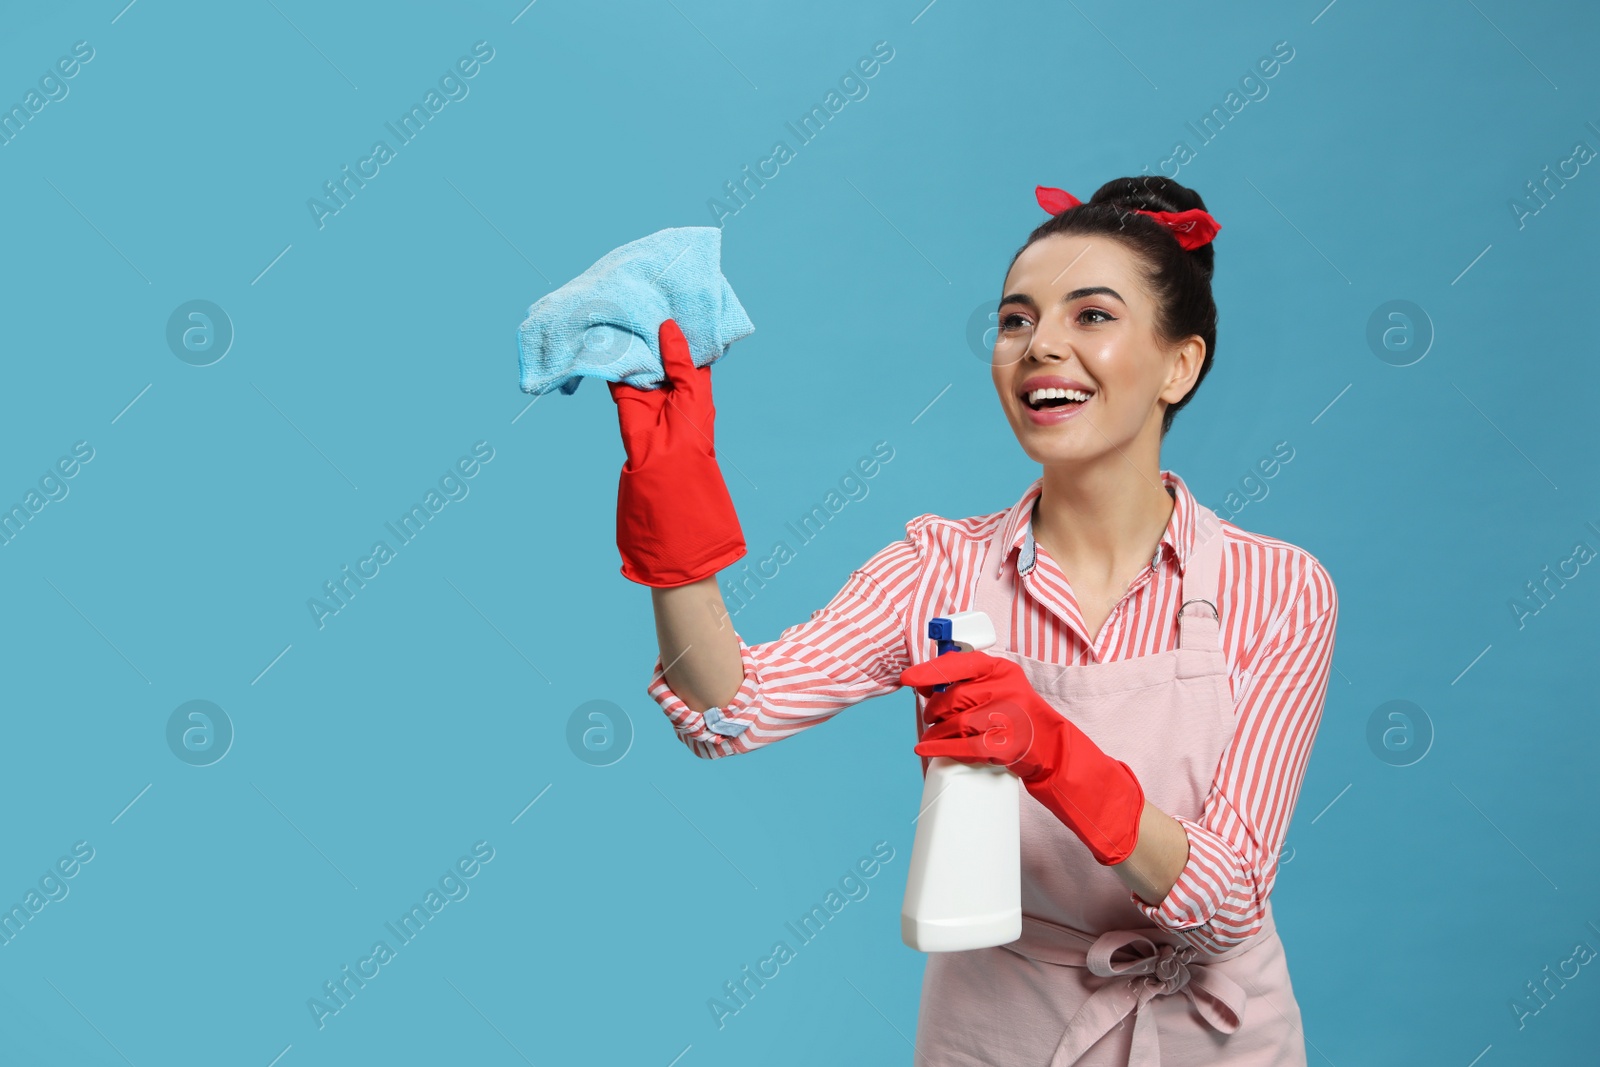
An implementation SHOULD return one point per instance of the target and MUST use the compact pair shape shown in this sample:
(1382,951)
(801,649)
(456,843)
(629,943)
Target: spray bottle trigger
(961,631)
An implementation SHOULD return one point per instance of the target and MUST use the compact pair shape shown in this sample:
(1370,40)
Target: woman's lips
(1060,413)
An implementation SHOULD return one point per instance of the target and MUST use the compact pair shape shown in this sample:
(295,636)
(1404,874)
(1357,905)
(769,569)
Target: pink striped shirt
(1278,609)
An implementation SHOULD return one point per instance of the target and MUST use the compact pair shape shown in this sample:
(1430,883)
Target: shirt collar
(1016,530)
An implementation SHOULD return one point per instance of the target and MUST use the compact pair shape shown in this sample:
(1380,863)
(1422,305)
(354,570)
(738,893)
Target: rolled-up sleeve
(1219,899)
(849,651)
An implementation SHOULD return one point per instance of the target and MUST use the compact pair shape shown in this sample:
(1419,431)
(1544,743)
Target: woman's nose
(1043,351)
(1049,343)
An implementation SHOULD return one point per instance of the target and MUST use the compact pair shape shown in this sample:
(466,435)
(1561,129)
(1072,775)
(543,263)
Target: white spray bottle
(964,889)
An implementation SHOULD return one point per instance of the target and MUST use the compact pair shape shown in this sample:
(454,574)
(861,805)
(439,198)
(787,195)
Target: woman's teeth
(1037,397)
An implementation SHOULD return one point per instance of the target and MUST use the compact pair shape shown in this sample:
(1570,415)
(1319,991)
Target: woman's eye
(1013,321)
(1096,311)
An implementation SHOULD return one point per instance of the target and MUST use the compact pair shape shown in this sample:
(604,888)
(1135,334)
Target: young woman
(1157,685)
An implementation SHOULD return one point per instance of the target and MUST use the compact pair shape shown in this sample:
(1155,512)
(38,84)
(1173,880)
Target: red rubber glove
(675,520)
(991,714)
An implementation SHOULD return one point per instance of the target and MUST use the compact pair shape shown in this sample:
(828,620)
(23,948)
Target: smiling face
(1076,318)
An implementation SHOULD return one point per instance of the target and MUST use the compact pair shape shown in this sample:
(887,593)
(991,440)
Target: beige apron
(1091,981)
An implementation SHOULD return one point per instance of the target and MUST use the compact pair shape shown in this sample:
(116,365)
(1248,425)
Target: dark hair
(1179,279)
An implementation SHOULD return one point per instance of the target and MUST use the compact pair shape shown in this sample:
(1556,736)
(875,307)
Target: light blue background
(1415,902)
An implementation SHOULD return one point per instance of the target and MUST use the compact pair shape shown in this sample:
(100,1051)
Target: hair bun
(1149,192)
(1152,192)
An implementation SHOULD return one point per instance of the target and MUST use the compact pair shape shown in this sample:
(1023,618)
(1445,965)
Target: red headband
(1192,228)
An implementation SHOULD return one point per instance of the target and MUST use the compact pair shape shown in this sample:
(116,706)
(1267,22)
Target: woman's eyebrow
(1076,294)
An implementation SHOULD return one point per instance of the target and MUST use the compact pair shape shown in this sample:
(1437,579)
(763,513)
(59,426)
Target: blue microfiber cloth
(603,323)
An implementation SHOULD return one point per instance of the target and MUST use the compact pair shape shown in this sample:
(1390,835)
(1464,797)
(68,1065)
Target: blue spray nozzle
(943,631)
(958,630)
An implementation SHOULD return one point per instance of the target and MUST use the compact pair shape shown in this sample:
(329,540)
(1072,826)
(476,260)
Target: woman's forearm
(699,649)
(1157,859)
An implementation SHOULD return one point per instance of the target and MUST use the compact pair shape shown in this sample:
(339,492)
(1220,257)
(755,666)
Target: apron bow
(1169,964)
(1156,969)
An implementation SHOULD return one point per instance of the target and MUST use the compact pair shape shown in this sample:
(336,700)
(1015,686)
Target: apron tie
(1158,968)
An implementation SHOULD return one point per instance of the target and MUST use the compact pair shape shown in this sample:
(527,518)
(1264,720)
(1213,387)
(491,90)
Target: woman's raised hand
(675,520)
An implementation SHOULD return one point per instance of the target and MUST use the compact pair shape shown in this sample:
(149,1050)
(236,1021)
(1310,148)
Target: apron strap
(1199,621)
(996,593)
